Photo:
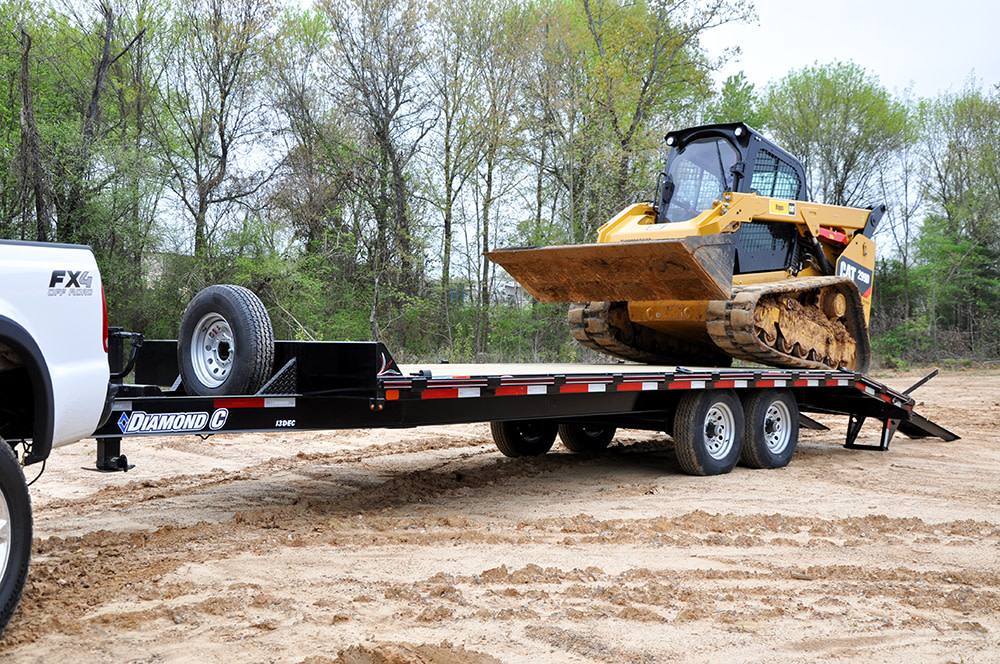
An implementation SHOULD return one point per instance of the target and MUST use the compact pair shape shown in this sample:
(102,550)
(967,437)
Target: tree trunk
(31,157)
(484,284)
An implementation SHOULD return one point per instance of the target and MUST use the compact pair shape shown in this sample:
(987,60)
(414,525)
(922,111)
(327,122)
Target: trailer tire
(520,438)
(226,343)
(15,533)
(772,428)
(708,432)
(586,438)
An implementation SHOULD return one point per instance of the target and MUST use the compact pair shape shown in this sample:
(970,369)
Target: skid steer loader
(731,261)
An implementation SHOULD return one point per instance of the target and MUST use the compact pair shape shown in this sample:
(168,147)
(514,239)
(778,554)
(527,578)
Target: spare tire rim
(212,350)
(720,431)
(4,533)
(777,427)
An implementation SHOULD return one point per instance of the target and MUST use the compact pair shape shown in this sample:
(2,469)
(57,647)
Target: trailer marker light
(392,395)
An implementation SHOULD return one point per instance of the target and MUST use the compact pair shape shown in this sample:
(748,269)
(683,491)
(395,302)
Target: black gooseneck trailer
(717,417)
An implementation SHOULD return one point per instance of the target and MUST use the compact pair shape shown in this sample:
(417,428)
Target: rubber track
(605,327)
(731,324)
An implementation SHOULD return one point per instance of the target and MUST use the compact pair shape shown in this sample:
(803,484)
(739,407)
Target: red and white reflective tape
(254,402)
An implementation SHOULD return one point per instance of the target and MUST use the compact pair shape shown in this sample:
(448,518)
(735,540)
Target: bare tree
(454,74)
(316,173)
(377,65)
(214,116)
(499,44)
(33,173)
(905,197)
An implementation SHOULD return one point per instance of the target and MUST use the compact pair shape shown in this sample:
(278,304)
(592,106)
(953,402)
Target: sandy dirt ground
(427,545)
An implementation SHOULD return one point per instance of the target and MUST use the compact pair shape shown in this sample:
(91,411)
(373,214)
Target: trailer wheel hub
(212,350)
(777,429)
(720,431)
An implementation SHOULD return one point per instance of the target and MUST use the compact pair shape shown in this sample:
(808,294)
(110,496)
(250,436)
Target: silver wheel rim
(4,534)
(720,431)
(212,350)
(777,427)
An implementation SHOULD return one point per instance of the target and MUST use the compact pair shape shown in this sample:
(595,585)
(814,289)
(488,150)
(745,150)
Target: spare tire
(226,343)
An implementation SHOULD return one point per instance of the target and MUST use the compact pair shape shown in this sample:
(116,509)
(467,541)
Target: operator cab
(706,162)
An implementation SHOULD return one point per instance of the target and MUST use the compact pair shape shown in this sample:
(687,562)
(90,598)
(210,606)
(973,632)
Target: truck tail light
(104,325)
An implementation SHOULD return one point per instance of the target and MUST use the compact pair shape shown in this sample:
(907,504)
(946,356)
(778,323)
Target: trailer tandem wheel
(586,438)
(772,428)
(519,438)
(708,431)
(15,532)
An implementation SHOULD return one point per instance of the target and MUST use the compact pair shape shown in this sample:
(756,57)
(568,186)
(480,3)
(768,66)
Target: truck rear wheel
(15,533)
(226,343)
(586,438)
(772,428)
(524,437)
(708,432)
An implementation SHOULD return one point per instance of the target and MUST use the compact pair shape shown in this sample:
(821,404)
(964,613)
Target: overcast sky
(934,46)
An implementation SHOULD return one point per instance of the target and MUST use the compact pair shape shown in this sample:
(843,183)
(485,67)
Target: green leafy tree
(737,101)
(647,58)
(842,123)
(959,244)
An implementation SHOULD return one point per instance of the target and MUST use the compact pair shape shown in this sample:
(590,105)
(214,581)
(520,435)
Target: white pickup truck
(54,379)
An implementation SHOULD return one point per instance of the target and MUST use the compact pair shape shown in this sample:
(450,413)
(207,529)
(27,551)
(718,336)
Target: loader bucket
(693,268)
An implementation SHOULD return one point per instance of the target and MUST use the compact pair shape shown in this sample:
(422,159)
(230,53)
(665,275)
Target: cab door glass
(697,174)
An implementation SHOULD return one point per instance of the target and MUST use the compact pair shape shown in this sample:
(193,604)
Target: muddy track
(428,546)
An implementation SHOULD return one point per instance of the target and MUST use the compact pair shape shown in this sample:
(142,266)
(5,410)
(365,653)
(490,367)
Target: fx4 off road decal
(74,283)
(142,422)
(857,273)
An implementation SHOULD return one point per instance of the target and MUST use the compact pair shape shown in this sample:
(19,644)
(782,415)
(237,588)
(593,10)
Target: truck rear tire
(586,438)
(708,431)
(772,428)
(226,343)
(15,533)
(524,437)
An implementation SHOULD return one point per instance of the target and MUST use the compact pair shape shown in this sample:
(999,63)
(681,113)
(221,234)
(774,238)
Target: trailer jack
(109,457)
